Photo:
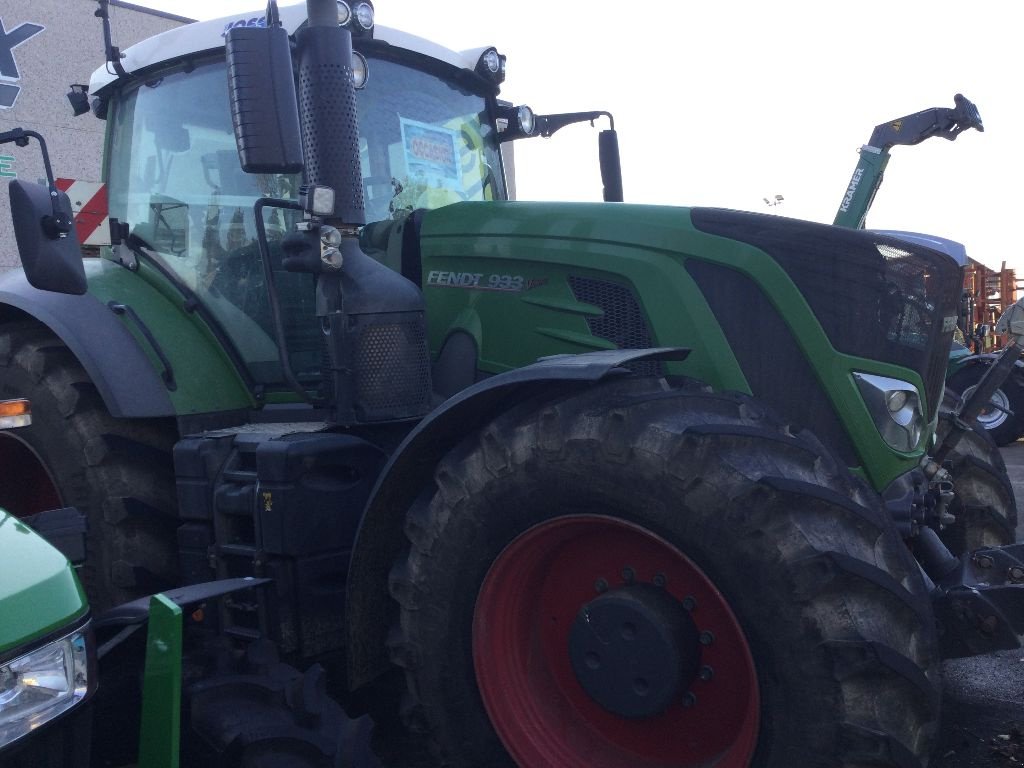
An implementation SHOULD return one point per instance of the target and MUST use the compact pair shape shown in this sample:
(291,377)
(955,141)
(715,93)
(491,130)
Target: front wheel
(639,577)
(984,503)
(1003,417)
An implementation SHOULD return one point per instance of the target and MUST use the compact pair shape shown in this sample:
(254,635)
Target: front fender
(380,541)
(984,360)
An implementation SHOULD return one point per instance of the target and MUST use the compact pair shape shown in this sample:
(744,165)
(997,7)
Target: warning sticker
(431,154)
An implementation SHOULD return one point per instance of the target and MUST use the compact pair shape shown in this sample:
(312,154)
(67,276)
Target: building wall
(67,50)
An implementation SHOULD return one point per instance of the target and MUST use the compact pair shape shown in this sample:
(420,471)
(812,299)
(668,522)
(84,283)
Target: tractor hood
(791,311)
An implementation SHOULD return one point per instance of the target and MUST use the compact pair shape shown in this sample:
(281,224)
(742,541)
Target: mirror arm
(548,124)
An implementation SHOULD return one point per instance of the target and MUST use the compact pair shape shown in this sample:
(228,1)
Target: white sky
(725,103)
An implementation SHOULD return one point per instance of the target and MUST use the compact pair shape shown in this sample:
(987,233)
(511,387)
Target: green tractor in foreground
(47,655)
(311,356)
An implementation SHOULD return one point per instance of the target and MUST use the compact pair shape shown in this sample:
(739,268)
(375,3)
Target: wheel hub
(994,413)
(635,650)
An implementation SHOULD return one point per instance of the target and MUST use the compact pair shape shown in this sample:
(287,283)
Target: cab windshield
(175,180)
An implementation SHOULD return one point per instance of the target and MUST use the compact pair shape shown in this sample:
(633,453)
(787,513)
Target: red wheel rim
(544,717)
(30,488)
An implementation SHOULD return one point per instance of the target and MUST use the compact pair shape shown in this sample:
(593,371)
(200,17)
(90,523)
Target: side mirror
(264,108)
(611,165)
(51,257)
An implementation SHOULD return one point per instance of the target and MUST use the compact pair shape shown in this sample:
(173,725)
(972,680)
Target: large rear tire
(119,473)
(573,550)
(984,504)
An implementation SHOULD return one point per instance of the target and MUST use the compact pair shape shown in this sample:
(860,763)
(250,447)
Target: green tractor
(521,477)
(47,650)
(47,654)
(79,689)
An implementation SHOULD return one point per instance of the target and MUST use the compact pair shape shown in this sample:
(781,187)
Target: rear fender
(121,371)
(380,541)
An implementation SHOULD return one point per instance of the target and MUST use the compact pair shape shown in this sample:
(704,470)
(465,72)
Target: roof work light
(357,18)
(491,65)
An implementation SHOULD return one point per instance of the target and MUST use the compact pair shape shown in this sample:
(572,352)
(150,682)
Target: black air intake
(378,343)
(623,322)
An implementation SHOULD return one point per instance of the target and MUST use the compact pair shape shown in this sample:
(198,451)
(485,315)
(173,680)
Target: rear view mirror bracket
(44,227)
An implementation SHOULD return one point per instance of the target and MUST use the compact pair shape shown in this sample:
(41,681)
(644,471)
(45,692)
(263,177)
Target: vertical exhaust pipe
(372,318)
(327,112)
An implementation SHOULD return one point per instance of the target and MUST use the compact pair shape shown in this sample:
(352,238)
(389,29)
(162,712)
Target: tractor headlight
(344,13)
(896,399)
(42,684)
(895,407)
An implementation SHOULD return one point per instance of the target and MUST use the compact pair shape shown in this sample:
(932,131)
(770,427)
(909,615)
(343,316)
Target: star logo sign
(9,74)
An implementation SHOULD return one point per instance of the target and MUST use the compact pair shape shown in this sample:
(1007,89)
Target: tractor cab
(182,204)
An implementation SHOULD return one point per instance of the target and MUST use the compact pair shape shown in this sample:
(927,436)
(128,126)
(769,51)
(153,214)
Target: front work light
(317,200)
(515,122)
(42,684)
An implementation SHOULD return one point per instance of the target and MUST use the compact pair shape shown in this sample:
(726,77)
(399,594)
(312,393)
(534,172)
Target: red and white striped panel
(89,207)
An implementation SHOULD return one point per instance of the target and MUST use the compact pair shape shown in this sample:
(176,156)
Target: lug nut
(706,638)
(600,585)
(689,602)
(659,579)
(628,575)
(706,673)
(689,699)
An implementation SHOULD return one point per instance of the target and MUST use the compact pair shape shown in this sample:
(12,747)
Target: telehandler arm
(909,130)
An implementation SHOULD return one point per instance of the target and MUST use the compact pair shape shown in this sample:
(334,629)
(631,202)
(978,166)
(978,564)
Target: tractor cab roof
(202,37)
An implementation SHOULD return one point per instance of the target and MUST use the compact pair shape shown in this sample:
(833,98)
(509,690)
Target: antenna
(113,53)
